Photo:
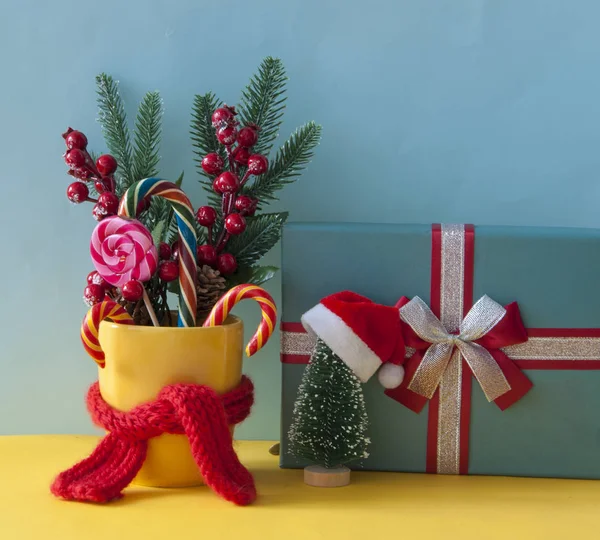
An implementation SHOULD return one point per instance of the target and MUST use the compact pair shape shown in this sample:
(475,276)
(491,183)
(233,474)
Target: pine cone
(137,310)
(210,286)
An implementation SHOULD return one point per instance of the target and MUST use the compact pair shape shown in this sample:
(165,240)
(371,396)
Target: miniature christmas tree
(330,418)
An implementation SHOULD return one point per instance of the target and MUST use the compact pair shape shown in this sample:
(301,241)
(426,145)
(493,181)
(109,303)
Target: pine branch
(261,234)
(263,102)
(204,139)
(257,275)
(291,159)
(113,120)
(147,137)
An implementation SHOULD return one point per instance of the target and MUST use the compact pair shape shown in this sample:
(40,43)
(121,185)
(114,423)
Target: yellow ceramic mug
(141,360)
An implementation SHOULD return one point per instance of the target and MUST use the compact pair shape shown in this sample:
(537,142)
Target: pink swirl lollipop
(122,250)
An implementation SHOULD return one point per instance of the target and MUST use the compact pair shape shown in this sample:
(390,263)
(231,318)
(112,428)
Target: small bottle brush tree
(232,149)
(330,419)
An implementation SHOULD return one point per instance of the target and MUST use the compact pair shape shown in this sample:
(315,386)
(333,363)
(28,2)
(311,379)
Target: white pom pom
(390,375)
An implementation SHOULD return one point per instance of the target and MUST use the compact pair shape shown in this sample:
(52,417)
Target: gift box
(502,333)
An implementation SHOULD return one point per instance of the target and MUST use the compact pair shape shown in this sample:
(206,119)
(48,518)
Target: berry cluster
(235,206)
(101,173)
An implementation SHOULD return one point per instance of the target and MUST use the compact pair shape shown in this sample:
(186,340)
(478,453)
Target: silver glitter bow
(483,316)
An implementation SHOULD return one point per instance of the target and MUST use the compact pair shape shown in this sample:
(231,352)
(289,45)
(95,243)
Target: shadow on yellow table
(376,505)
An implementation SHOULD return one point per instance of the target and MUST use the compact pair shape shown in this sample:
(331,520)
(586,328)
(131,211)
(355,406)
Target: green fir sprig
(291,159)
(263,103)
(113,121)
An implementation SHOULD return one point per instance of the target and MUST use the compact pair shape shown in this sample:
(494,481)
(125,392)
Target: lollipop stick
(150,309)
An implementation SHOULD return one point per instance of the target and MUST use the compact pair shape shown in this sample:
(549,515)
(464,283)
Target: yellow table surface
(375,506)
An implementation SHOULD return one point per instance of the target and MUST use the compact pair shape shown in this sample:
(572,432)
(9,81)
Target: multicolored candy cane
(269,313)
(106,309)
(187,237)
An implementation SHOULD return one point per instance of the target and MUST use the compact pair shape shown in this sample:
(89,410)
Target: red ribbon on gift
(509,330)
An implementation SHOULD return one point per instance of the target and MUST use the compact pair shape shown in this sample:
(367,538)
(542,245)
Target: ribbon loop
(481,319)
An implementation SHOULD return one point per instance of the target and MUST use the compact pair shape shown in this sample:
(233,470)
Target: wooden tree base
(317,476)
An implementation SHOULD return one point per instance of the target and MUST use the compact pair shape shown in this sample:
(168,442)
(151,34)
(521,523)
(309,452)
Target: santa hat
(365,335)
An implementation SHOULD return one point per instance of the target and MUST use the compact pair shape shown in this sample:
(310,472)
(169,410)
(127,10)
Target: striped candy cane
(187,237)
(269,313)
(106,309)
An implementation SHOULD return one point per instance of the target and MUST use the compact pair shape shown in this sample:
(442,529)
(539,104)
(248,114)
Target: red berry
(76,139)
(93,294)
(143,205)
(164,251)
(235,224)
(75,158)
(77,192)
(246,205)
(226,264)
(206,254)
(227,135)
(241,155)
(110,201)
(206,216)
(96,279)
(100,186)
(168,270)
(132,291)
(213,163)
(248,136)
(226,182)
(99,212)
(257,164)
(223,116)
(106,164)
(175,250)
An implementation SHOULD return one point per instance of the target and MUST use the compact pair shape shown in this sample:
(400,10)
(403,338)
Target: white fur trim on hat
(339,337)
(390,375)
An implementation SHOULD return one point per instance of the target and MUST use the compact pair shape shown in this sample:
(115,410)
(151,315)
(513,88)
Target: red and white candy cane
(242,292)
(106,309)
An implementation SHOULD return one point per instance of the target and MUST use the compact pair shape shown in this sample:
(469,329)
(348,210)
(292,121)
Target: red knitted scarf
(194,410)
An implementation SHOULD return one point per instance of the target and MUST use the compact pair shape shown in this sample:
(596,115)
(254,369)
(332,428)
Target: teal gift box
(547,426)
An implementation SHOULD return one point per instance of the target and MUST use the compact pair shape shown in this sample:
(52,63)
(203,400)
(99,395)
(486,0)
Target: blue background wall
(448,110)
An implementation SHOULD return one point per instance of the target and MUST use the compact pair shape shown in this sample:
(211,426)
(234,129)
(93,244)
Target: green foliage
(140,160)
(263,102)
(262,233)
(257,275)
(147,137)
(204,139)
(291,159)
(203,134)
(330,418)
(113,120)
